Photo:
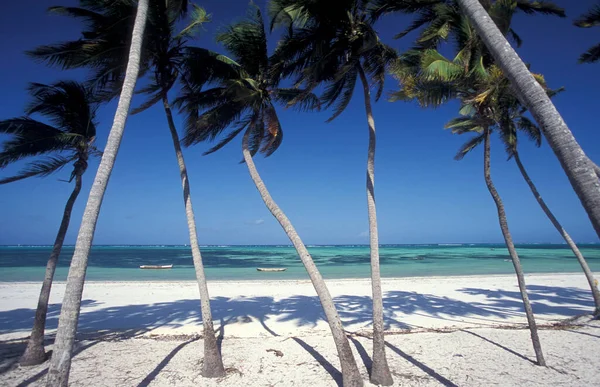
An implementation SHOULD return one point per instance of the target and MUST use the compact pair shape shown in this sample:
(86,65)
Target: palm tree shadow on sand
(303,311)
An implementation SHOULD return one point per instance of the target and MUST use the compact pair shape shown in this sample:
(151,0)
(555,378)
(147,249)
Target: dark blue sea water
(121,263)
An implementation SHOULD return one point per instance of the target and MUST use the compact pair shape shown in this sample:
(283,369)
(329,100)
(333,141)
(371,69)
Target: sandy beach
(448,331)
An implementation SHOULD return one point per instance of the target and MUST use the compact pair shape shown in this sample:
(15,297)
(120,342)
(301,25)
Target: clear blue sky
(318,175)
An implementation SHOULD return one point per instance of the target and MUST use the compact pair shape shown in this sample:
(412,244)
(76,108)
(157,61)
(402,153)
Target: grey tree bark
(350,374)
(586,269)
(380,371)
(573,160)
(212,366)
(537,347)
(596,168)
(34,353)
(60,364)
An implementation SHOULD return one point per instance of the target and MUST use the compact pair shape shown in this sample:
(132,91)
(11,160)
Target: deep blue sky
(318,175)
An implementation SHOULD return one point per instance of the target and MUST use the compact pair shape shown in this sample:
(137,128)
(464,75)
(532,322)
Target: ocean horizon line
(450,244)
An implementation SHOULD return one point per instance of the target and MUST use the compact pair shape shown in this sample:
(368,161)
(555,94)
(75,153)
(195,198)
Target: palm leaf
(542,7)
(589,19)
(197,17)
(591,55)
(40,168)
(469,146)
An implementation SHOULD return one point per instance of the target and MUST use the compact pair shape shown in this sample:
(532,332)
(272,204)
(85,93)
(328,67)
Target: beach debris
(277,352)
(270,269)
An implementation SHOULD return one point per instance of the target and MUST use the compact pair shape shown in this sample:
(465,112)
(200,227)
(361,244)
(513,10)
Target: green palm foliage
(244,94)
(588,20)
(67,139)
(330,45)
(440,21)
(106,38)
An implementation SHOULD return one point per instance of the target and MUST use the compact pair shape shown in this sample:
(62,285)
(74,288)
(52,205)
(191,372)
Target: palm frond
(527,126)
(589,19)
(339,93)
(238,128)
(247,41)
(515,37)
(297,98)
(469,146)
(542,7)
(274,132)
(201,66)
(198,17)
(32,138)
(591,55)
(40,168)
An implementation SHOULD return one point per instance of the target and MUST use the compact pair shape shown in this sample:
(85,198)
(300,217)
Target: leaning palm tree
(512,120)
(68,140)
(102,49)
(243,98)
(578,168)
(60,364)
(432,79)
(335,46)
(439,21)
(590,19)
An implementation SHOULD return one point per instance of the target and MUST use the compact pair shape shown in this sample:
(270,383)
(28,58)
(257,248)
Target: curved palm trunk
(596,168)
(350,374)
(380,371)
(213,364)
(34,353)
(60,364)
(573,160)
(563,233)
(512,251)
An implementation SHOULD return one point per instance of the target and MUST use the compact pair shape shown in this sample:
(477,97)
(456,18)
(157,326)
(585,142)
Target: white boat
(271,268)
(156,266)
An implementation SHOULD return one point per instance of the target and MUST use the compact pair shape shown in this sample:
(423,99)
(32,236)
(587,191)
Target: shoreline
(346,279)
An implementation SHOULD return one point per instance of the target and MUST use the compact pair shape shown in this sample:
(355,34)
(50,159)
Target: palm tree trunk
(212,366)
(512,251)
(596,168)
(380,371)
(573,160)
(350,374)
(60,364)
(34,353)
(563,233)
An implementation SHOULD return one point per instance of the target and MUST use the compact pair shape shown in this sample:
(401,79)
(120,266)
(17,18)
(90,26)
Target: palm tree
(60,364)
(432,79)
(334,46)
(590,19)
(164,50)
(442,20)
(243,98)
(512,119)
(68,140)
(577,166)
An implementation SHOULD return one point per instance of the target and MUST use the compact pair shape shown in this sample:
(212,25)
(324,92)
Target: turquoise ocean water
(121,263)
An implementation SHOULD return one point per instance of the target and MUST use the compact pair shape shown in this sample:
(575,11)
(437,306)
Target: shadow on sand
(306,311)
(303,311)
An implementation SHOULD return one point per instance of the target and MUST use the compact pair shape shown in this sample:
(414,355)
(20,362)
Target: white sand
(286,315)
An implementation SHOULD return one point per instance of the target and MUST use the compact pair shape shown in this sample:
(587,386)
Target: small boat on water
(271,268)
(156,266)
